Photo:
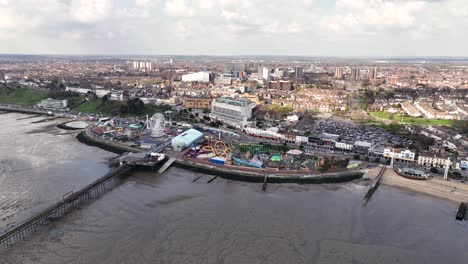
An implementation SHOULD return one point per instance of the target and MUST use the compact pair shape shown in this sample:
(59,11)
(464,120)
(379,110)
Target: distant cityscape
(422,104)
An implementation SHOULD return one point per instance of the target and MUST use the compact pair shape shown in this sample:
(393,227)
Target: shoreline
(439,188)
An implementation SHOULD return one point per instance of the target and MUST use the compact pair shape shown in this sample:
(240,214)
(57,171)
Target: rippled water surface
(170,219)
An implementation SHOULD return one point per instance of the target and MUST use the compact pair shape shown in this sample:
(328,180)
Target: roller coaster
(219,148)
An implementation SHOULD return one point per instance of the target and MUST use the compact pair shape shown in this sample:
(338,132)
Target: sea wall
(258,177)
(24,110)
(86,138)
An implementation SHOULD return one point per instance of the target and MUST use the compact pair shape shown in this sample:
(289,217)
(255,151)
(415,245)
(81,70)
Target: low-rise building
(433,160)
(198,102)
(410,109)
(50,103)
(186,139)
(406,155)
(202,77)
(362,147)
(462,165)
(344,145)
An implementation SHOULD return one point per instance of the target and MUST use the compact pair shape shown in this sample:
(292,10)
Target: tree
(434,170)
(356,157)
(455,175)
(105,98)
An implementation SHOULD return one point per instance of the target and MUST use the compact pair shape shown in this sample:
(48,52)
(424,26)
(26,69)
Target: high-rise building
(234,67)
(148,66)
(338,73)
(298,72)
(355,74)
(265,73)
(2,76)
(373,73)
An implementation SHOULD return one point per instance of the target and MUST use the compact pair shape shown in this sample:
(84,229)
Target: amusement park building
(186,139)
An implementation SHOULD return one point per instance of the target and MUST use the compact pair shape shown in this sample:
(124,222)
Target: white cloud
(372,16)
(90,11)
(178,8)
(235,26)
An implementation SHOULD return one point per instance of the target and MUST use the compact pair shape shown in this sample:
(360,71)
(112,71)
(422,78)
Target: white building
(344,145)
(292,118)
(78,90)
(197,77)
(262,133)
(50,103)
(433,161)
(186,139)
(233,112)
(265,73)
(398,154)
(462,165)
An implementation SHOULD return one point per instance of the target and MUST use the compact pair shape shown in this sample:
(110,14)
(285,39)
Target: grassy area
(21,96)
(116,108)
(412,120)
(284,110)
(92,106)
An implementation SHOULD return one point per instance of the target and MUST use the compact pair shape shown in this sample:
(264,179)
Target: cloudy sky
(236,27)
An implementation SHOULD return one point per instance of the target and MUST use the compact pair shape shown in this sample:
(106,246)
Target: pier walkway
(95,189)
(374,185)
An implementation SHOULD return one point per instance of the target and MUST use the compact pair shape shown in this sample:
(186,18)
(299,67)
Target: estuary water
(171,219)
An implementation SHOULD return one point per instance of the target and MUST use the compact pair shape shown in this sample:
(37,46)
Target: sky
(363,28)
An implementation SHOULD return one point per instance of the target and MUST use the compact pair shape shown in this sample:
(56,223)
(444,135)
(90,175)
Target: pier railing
(93,190)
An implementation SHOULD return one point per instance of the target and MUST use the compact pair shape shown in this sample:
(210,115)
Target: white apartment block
(233,112)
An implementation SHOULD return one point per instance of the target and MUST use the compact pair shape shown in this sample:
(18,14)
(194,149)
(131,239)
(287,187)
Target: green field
(412,120)
(21,96)
(114,108)
(91,106)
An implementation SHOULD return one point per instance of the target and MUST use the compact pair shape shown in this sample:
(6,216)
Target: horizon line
(244,55)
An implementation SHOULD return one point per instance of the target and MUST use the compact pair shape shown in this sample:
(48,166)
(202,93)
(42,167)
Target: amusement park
(216,146)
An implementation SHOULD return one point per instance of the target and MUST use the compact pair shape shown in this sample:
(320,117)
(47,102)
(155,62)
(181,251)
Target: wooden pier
(70,201)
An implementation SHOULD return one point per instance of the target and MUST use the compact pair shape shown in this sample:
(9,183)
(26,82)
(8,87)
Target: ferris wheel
(155,125)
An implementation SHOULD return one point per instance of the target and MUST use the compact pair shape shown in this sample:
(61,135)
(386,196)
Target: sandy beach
(450,190)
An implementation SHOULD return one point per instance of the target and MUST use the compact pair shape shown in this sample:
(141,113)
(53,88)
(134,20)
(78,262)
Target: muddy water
(170,219)
(39,163)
